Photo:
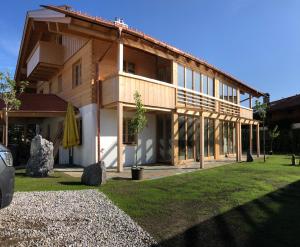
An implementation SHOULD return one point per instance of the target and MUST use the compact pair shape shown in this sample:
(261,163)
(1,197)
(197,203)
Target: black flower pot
(137,173)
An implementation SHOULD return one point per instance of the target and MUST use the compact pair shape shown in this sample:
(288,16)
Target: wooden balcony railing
(44,61)
(121,88)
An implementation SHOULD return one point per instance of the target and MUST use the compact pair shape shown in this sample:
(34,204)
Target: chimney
(120,22)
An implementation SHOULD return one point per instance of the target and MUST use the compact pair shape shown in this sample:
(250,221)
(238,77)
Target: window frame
(77,82)
(125,137)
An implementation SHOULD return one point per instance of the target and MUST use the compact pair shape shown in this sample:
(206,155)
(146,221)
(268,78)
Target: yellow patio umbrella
(71,136)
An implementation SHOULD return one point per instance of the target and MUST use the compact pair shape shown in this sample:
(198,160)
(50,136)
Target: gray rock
(41,157)
(249,157)
(94,175)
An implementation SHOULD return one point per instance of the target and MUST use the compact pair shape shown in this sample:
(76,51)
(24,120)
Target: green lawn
(246,204)
(56,181)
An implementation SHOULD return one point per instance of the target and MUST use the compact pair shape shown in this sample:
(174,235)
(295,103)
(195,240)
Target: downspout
(98,84)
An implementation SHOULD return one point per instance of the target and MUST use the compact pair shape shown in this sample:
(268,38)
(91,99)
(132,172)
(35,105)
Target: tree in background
(9,90)
(139,121)
(261,110)
(274,133)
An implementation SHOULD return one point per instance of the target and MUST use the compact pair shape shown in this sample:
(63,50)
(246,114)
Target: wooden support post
(201,138)
(120,56)
(238,141)
(217,138)
(175,139)
(120,137)
(251,138)
(257,141)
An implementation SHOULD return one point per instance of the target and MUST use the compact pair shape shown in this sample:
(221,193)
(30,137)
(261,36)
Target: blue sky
(256,41)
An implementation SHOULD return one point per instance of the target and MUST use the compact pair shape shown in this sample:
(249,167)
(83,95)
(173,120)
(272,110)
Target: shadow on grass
(72,183)
(272,220)
(23,175)
(120,178)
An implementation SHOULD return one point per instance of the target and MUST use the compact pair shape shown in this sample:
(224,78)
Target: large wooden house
(194,110)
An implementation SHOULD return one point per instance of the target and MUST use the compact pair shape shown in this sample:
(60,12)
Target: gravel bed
(68,218)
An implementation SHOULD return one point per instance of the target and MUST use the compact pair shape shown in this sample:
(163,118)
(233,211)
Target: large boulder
(94,174)
(41,157)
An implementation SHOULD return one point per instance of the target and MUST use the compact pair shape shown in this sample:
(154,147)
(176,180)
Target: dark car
(7,177)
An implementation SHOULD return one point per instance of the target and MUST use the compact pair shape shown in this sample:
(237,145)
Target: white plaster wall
(108,140)
(85,154)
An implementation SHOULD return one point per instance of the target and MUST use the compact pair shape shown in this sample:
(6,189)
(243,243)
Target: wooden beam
(175,138)
(257,140)
(201,139)
(250,138)
(120,137)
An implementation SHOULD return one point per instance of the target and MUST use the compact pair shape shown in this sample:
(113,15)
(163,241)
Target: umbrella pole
(71,156)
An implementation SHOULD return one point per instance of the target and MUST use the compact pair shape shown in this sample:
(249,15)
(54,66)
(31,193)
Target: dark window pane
(211,137)
(206,132)
(182,138)
(221,90)
(190,137)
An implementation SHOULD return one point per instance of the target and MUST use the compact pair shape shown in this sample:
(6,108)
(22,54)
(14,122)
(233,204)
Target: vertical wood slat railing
(205,102)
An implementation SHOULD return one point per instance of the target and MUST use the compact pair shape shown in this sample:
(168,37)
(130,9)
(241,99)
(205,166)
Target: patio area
(153,171)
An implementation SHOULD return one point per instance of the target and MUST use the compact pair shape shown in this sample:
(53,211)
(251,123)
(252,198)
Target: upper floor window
(204,84)
(210,85)
(180,75)
(59,84)
(77,74)
(227,92)
(128,67)
(189,78)
(197,82)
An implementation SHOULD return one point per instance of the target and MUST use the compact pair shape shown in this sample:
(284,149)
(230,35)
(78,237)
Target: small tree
(9,90)
(274,133)
(139,121)
(261,110)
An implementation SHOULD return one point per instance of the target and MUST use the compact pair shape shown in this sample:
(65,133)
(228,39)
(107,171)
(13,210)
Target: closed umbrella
(71,136)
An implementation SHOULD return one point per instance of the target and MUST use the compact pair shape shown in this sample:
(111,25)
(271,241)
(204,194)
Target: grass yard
(246,204)
(56,181)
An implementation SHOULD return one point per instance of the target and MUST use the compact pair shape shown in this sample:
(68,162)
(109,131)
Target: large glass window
(180,75)
(225,92)
(210,83)
(209,137)
(227,137)
(234,95)
(190,137)
(206,135)
(204,84)
(221,90)
(229,93)
(197,81)
(189,79)
(182,138)
(197,138)
(221,137)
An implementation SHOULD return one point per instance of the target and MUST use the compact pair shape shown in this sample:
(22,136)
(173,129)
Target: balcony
(123,86)
(44,61)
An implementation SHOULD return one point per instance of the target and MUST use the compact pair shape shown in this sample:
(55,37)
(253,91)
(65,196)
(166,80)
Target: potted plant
(274,133)
(136,126)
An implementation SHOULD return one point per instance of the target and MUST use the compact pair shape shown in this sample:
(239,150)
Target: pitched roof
(40,103)
(100,21)
(283,104)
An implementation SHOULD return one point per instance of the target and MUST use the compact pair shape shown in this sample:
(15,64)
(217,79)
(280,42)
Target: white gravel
(68,218)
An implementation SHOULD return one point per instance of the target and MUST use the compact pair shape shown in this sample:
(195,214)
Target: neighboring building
(194,109)
(286,114)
